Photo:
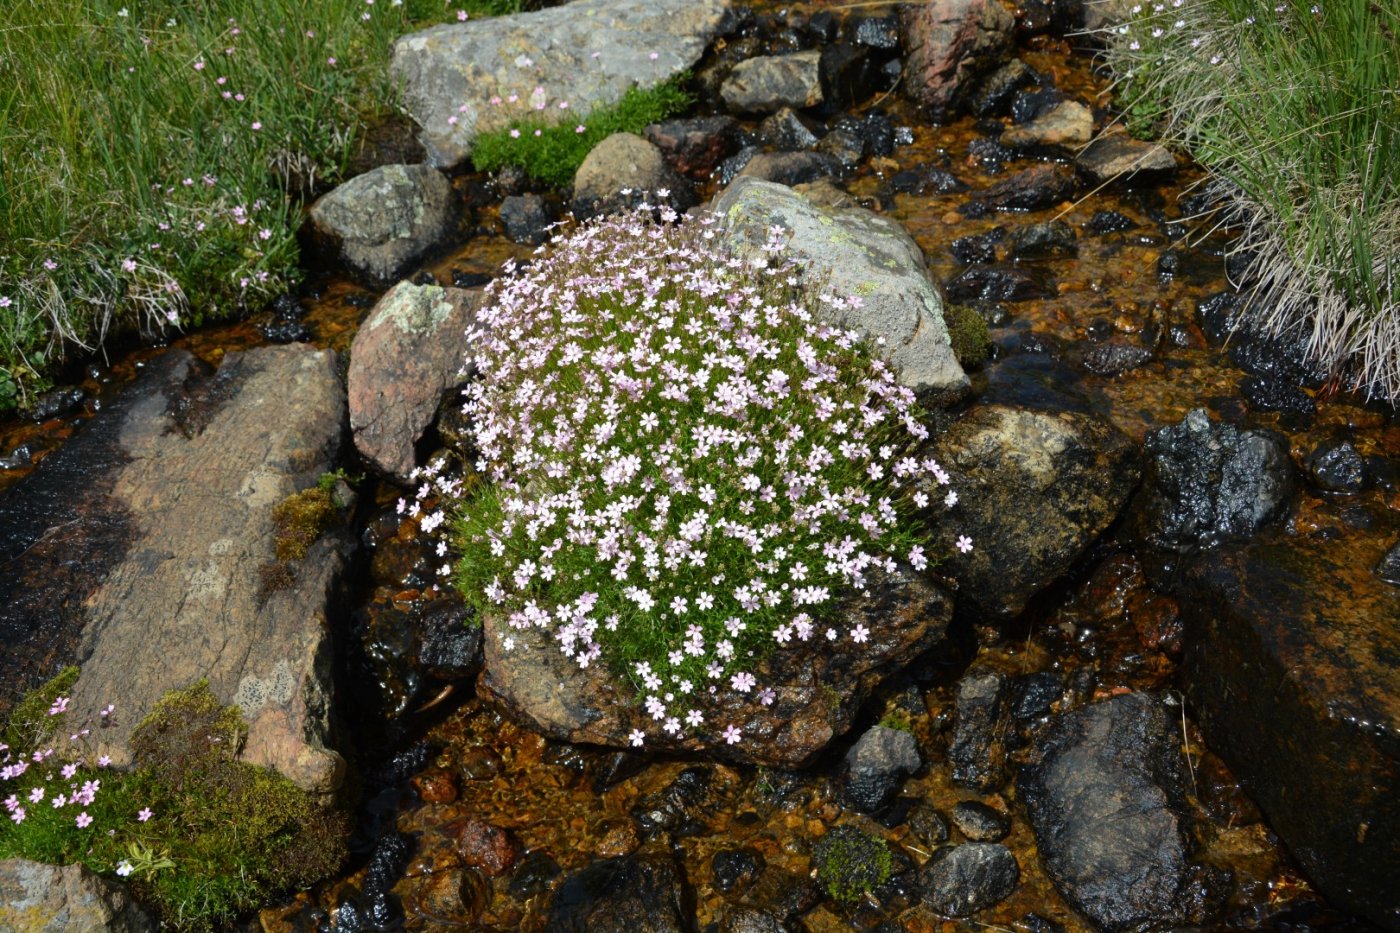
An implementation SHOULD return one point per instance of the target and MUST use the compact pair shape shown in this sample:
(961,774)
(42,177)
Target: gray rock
(380,222)
(769,83)
(950,44)
(622,895)
(1336,466)
(186,599)
(1113,357)
(1106,14)
(791,168)
(1035,488)
(751,920)
(843,146)
(977,751)
(855,252)
(461,64)
(1121,156)
(967,878)
(406,354)
(526,218)
(876,765)
(625,161)
(979,822)
(1105,798)
(36,898)
(1068,123)
(786,130)
(1206,483)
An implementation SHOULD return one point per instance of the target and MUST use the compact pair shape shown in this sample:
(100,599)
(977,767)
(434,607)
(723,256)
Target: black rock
(1274,393)
(989,153)
(922,179)
(616,767)
(449,647)
(792,168)
(822,27)
(786,130)
(977,751)
(1218,315)
(744,919)
(674,808)
(732,166)
(880,31)
(1168,263)
(843,146)
(874,129)
(979,822)
(535,873)
(1002,282)
(1029,103)
(849,75)
(21,456)
(1336,466)
(875,767)
(1109,222)
(1206,483)
(1389,567)
(1279,356)
(993,93)
(979,248)
(1033,189)
(57,402)
(526,217)
(1052,239)
(284,324)
(1034,695)
(1114,357)
(927,825)
(424,277)
(736,868)
(965,879)
(462,279)
(621,895)
(1057,17)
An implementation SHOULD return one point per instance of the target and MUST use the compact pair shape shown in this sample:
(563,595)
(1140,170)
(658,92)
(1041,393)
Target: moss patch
(301,519)
(967,330)
(850,862)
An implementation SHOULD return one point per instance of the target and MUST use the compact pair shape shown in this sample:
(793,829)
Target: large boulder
(1106,797)
(379,223)
(853,253)
(1291,668)
(407,353)
(818,688)
(588,54)
(37,898)
(1035,488)
(198,464)
(950,44)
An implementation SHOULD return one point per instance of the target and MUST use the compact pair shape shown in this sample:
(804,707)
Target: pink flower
(69,770)
(859,634)
(83,820)
(964,544)
(732,735)
(256,126)
(106,760)
(331,61)
(654,56)
(144,815)
(514,134)
(36,795)
(461,16)
(637,737)
(580,128)
(59,705)
(17,814)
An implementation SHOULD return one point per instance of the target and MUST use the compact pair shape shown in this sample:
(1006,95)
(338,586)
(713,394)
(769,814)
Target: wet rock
(736,869)
(1001,282)
(695,146)
(621,895)
(1033,189)
(1052,239)
(448,899)
(57,402)
(639,43)
(924,178)
(1120,156)
(461,279)
(1068,123)
(993,93)
(928,825)
(381,222)
(849,75)
(874,129)
(770,82)
(1105,796)
(791,168)
(875,767)
(435,786)
(677,808)
(1206,483)
(960,881)
(730,168)
(1292,676)
(52,899)
(625,161)
(1115,356)
(1056,17)
(818,689)
(490,849)
(751,920)
(1030,103)
(1035,694)
(1109,222)
(977,751)
(284,323)
(525,217)
(1388,568)
(534,875)
(449,645)
(1035,488)
(856,252)
(405,356)
(979,822)
(1274,393)
(195,473)
(843,146)
(876,30)
(1336,466)
(786,130)
(950,44)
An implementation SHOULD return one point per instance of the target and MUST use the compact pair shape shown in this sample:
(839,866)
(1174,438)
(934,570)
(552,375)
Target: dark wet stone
(678,807)
(621,895)
(1035,923)
(791,168)
(284,321)
(462,279)
(1002,282)
(849,74)
(533,875)
(877,31)
(1293,677)
(57,402)
(1388,569)
(786,130)
(616,767)
(449,643)
(874,129)
(1028,103)
(736,869)
(979,822)
(962,880)
(695,146)
(1121,157)
(1106,797)
(21,456)
(1035,694)
(387,863)
(1052,239)
(1056,17)
(844,146)
(1168,263)
(822,27)
(1114,357)
(977,751)
(875,767)
(993,93)
(727,170)
(1276,357)
(1383,472)
(1032,189)
(1336,466)
(525,217)
(1272,393)
(922,179)
(927,825)
(977,248)
(743,919)
(1109,222)
(1207,482)
(989,154)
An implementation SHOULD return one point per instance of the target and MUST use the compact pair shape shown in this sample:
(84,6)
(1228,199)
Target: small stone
(1389,567)
(1033,189)
(978,751)
(695,146)
(969,878)
(1002,282)
(620,839)
(57,402)
(791,168)
(849,75)
(436,786)
(979,822)
(770,82)
(525,217)
(1069,123)
(626,161)
(1122,156)
(1115,357)
(736,869)
(1049,240)
(621,895)
(876,765)
(1273,393)
(489,848)
(1109,222)
(786,130)
(844,146)
(1336,466)
(993,93)
(928,825)
(533,876)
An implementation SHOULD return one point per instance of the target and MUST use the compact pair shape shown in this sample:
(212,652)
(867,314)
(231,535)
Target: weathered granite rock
(964,879)
(876,765)
(855,252)
(1290,667)
(818,688)
(1068,123)
(622,895)
(407,353)
(458,65)
(1121,156)
(203,470)
(949,45)
(380,222)
(769,83)
(37,898)
(1035,488)
(625,161)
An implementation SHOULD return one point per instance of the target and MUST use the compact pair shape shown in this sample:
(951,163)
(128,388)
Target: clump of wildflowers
(688,468)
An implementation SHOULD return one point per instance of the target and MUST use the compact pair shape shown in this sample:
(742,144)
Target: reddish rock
(950,43)
(488,848)
(436,786)
(694,147)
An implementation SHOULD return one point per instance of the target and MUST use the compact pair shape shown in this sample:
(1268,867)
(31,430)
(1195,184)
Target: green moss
(555,154)
(850,862)
(301,519)
(30,722)
(897,718)
(967,330)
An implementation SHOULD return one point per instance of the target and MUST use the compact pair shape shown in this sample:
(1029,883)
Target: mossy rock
(851,862)
(301,519)
(972,343)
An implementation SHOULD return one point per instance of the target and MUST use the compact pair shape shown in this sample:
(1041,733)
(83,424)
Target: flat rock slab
(1293,669)
(855,253)
(587,53)
(408,352)
(36,898)
(203,467)
(1121,156)
(769,83)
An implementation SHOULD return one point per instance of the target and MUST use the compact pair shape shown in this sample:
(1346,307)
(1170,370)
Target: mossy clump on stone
(967,331)
(30,721)
(897,718)
(851,862)
(301,519)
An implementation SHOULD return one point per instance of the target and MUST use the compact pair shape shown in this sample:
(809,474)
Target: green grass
(135,197)
(551,151)
(1293,107)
